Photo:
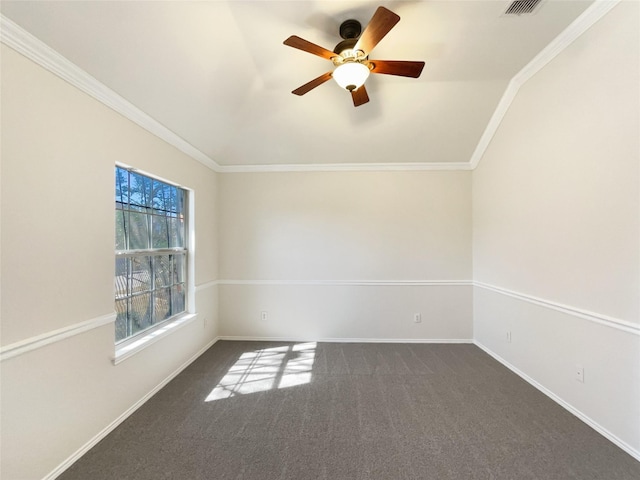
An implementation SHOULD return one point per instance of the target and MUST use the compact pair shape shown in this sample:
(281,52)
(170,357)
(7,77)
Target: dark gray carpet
(291,411)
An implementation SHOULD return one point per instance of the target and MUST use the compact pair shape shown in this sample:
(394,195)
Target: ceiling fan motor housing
(350,30)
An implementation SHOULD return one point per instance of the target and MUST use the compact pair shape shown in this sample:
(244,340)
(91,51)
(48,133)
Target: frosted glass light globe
(351,75)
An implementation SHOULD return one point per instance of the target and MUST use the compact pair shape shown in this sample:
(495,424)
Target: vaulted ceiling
(217,74)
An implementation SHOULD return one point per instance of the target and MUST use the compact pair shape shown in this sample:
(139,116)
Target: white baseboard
(91,443)
(109,428)
(345,340)
(567,406)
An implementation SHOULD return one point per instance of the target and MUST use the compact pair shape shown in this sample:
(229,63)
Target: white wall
(556,220)
(59,148)
(346,255)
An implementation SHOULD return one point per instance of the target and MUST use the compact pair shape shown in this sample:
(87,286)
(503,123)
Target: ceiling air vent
(522,7)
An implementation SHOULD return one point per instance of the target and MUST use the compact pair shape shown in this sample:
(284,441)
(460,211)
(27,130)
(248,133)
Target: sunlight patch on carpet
(267,369)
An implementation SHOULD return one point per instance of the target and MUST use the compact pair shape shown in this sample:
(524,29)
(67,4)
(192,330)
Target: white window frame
(134,344)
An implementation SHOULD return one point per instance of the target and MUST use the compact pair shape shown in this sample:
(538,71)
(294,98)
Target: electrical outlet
(508,338)
(417,318)
(580,373)
(264,316)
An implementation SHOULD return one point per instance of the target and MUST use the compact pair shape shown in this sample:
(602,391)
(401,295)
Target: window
(150,253)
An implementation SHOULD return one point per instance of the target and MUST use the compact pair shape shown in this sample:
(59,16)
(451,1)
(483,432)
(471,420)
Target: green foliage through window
(150,262)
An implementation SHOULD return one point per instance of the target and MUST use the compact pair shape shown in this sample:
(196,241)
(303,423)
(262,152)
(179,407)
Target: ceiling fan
(351,56)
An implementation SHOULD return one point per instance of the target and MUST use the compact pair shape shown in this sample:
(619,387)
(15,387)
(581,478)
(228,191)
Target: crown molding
(591,15)
(349,283)
(34,49)
(345,167)
(494,123)
(23,42)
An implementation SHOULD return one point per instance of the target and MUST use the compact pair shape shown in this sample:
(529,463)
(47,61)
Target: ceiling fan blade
(379,25)
(397,67)
(305,45)
(312,84)
(359,96)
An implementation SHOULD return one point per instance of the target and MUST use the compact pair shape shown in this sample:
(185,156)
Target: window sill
(125,351)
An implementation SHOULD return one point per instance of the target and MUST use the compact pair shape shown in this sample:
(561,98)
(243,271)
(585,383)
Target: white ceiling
(217,74)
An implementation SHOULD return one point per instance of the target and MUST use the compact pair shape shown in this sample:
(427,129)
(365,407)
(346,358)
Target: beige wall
(333,231)
(59,147)
(556,195)
(556,217)
(554,208)
(345,226)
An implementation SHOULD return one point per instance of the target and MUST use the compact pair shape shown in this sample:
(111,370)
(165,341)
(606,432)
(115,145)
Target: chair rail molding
(623,325)
(39,341)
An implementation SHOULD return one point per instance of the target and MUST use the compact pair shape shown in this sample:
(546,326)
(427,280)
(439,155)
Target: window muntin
(150,252)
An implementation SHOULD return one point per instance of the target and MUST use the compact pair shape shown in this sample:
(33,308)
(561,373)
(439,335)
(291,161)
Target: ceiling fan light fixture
(351,75)
(350,57)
